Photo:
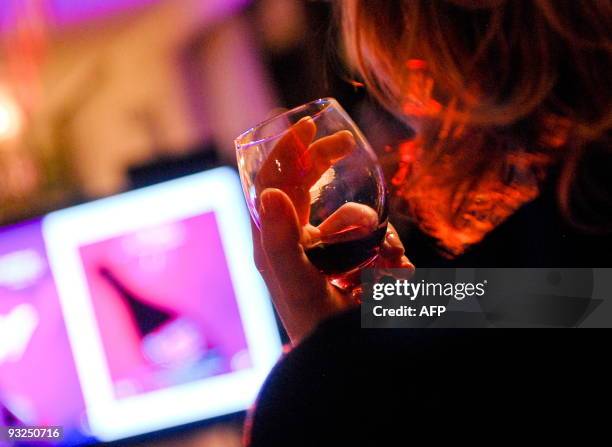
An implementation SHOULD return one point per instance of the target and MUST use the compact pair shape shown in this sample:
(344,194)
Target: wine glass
(318,156)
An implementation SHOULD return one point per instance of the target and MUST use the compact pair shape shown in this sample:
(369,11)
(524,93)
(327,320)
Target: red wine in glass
(335,259)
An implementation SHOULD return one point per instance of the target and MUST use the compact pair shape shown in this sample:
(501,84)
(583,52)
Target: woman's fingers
(280,238)
(295,142)
(296,163)
(261,262)
(287,165)
(392,253)
(326,151)
(301,294)
(392,247)
(349,222)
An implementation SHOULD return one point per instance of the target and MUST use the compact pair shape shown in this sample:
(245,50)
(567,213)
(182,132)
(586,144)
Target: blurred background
(102,96)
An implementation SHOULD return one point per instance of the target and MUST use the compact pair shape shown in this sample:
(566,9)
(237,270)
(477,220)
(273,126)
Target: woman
(511,101)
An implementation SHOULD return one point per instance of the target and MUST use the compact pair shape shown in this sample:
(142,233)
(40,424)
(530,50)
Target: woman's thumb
(280,236)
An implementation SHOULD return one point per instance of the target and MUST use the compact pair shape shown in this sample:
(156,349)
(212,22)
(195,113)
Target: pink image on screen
(165,305)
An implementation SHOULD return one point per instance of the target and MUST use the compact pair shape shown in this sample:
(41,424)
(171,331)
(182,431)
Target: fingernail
(264,203)
(260,206)
(406,264)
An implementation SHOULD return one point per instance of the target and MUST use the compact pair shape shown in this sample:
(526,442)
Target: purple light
(72,12)
(66,12)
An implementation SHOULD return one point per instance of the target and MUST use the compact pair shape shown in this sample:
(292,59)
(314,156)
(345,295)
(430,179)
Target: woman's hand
(302,295)
(298,161)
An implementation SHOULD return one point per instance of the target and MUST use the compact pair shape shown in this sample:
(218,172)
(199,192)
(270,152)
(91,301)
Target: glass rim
(326,100)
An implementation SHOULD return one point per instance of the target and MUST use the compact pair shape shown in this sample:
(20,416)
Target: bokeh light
(11,116)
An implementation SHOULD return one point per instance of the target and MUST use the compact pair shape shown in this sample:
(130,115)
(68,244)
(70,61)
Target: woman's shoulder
(302,397)
(346,382)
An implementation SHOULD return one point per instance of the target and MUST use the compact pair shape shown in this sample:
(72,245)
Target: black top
(348,386)
(345,385)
